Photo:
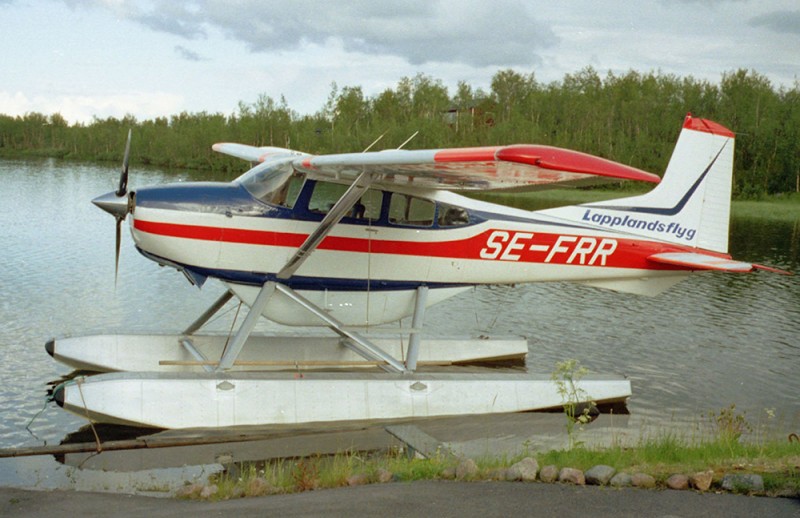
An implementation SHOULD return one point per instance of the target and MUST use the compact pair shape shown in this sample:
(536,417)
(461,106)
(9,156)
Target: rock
(743,483)
(449,473)
(359,479)
(571,475)
(548,474)
(525,470)
(189,491)
(599,475)
(383,476)
(678,481)
(643,480)
(466,469)
(701,480)
(621,480)
(209,491)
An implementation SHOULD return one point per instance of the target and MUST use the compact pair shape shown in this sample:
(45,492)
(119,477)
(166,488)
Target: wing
(480,168)
(252,153)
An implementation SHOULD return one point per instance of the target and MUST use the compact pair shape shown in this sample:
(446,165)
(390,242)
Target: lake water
(712,341)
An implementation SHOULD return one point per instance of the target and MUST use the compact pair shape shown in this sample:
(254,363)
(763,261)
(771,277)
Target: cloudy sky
(85,58)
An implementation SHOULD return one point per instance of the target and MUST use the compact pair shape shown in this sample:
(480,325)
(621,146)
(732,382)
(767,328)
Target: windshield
(270,181)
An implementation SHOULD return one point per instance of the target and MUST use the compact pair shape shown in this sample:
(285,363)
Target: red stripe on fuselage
(491,245)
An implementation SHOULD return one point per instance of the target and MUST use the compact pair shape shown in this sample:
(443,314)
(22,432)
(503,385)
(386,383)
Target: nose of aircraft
(115,205)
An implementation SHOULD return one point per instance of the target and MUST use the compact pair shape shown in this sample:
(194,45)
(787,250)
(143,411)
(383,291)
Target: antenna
(408,140)
(375,141)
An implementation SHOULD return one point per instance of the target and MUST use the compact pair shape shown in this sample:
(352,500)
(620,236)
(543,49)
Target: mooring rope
(78,382)
(36,416)
(230,331)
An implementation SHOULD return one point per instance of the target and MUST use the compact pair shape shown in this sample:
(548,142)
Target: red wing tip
(567,160)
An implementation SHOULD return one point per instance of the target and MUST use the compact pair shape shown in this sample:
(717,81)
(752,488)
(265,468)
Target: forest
(633,118)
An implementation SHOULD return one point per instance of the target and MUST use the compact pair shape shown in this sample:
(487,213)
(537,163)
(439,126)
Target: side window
(408,210)
(324,197)
(369,206)
(450,216)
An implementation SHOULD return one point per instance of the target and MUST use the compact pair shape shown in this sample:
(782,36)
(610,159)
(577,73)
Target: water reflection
(711,341)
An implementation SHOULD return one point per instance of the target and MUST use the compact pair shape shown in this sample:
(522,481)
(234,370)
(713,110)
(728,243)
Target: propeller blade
(116,254)
(123,177)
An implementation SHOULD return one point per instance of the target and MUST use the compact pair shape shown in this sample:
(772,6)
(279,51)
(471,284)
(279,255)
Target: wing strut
(345,203)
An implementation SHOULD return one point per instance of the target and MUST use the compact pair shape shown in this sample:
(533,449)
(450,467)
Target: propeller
(118,204)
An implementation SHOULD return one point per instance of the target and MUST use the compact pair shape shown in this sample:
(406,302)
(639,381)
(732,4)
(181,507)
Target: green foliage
(631,118)
(729,424)
(577,402)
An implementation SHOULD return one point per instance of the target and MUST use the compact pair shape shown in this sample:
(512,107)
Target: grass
(777,461)
(718,444)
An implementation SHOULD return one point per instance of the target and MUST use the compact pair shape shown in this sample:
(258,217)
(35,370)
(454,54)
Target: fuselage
(392,242)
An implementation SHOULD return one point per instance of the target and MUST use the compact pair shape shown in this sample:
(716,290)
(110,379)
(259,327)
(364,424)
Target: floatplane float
(352,241)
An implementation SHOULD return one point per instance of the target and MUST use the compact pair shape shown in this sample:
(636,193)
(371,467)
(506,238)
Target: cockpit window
(288,192)
(408,210)
(325,196)
(273,182)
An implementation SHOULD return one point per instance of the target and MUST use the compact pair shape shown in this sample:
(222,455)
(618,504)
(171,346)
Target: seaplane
(356,240)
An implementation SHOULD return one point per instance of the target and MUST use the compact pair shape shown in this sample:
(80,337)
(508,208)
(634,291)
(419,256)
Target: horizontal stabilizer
(698,261)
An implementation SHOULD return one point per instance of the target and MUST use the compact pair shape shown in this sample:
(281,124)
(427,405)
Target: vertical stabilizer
(691,205)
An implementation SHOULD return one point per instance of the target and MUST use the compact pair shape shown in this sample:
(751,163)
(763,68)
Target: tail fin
(691,205)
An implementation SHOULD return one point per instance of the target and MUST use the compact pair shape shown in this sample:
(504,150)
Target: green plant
(729,424)
(576,401)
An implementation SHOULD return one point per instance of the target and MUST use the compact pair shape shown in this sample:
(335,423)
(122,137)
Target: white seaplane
(352,241)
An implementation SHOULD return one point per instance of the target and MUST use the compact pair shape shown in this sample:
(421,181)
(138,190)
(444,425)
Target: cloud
(84,108)
(778,21)
(187,54)
(475,32)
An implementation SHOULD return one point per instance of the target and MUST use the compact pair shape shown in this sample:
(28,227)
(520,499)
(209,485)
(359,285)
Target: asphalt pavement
(426,498)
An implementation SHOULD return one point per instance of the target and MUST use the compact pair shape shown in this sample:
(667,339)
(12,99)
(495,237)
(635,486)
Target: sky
(110,58)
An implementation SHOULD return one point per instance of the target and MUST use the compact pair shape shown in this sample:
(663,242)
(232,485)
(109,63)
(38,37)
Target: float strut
(233,349)
(416,324)
(216,306)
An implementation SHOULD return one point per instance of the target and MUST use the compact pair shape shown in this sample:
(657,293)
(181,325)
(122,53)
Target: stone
(359,479)
(599,475)
(701,480)
(189,491)
(524,470)
(742,483)
(678,481)
(643,480)
(621,480)
(572,475)
(548,474)
(383,475)
(209,491)
(449,473)
(466,469)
